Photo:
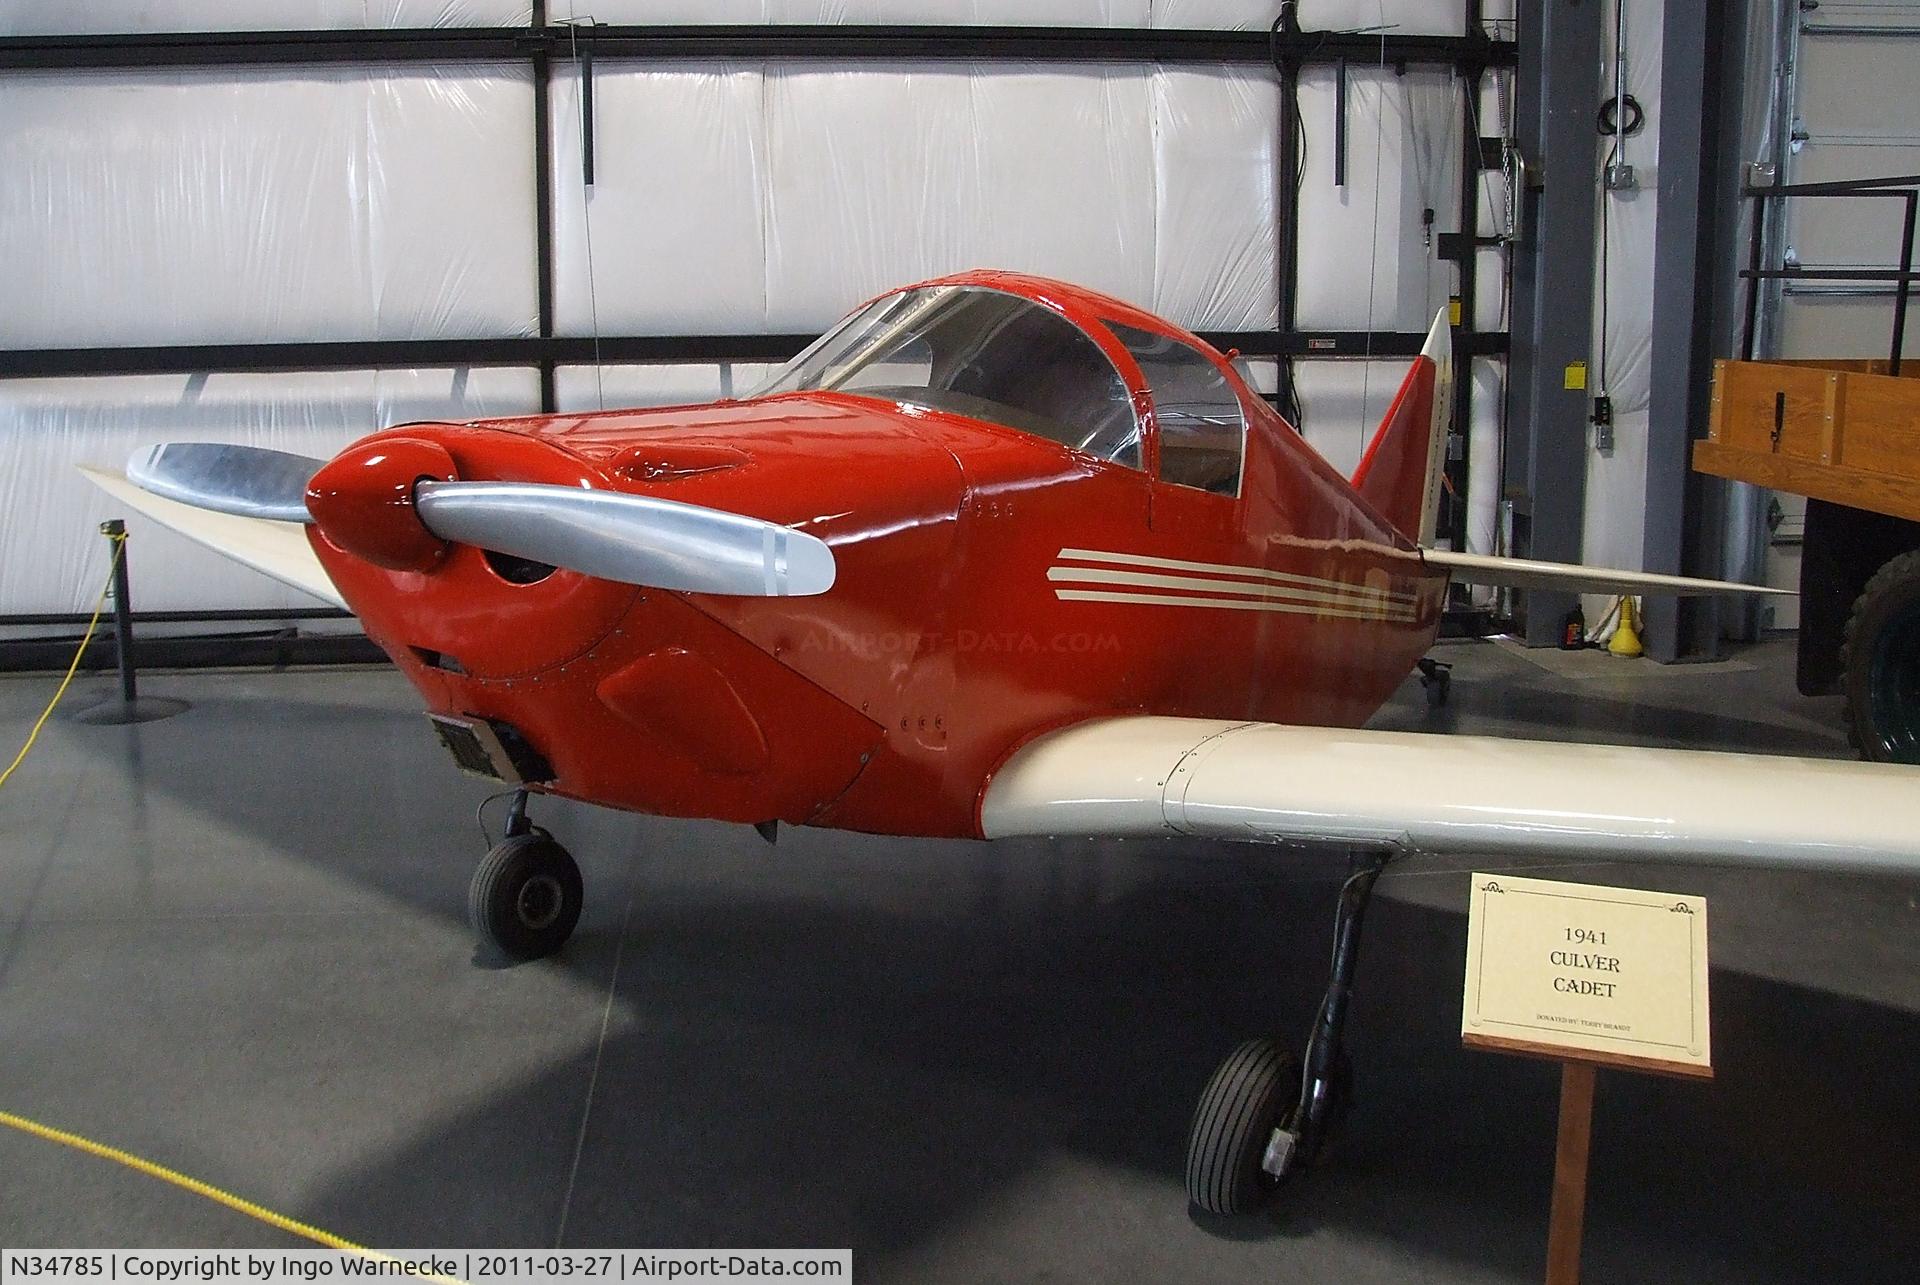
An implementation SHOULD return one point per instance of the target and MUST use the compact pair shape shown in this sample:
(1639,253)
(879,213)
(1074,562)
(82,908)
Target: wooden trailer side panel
(1824,431)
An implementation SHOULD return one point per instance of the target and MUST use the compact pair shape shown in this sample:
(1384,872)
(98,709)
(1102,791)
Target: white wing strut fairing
(1525,573)
(278,549)
(1467,795)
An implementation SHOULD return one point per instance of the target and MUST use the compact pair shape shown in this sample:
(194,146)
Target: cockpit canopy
(977,352)
(1005,358)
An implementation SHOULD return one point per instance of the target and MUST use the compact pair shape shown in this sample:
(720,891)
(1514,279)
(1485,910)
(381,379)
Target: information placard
(1614,976)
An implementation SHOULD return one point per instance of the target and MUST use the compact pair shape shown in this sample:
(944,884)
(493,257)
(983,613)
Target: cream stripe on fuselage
(1346,597)
(1401,614)
(1142,560)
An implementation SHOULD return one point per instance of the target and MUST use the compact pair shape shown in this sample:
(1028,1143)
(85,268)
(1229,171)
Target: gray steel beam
(1546,473)
(1701,72)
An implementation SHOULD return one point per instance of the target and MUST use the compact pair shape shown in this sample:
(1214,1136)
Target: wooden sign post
(1589,977)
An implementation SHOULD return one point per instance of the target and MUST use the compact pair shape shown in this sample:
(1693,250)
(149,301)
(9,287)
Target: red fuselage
(991,585)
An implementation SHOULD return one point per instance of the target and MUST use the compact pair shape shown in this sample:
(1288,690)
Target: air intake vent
(491,748)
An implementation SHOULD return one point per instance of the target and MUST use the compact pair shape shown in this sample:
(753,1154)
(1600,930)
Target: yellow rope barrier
(138,1164)
(119,546)
(164,1174)
(292,1226)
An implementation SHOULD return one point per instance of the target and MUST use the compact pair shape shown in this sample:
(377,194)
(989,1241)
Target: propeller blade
(246,481)
(635,539)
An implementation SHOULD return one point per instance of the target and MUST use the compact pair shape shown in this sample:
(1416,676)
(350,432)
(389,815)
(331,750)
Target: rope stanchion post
(115,529)
(130,708)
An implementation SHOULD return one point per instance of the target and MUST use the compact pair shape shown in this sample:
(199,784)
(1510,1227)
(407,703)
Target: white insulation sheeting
(1216,166)
(1491,120)
(73,17)
(677,210)
(49,513)
(1343,402)
(1367,261)
(237,205)
(1025,13)
(1405,17)
(191,206)
(1617,482)
(51,17)
(1425,17)
(820,187)
(589,388)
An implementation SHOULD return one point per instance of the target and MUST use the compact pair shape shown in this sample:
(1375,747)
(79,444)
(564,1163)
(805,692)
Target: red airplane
(995,556)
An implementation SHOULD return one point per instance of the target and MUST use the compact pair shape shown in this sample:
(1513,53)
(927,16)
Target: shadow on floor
(852,1040)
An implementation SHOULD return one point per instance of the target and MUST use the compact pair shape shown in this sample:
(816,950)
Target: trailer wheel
(1881,660)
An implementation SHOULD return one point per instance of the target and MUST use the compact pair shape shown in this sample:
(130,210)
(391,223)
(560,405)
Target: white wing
(277,549)
(1527,573)
(1471,795)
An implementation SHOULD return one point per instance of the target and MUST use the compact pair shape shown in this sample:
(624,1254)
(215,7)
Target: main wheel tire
(525,897)
(1881,659)
(1243,1102)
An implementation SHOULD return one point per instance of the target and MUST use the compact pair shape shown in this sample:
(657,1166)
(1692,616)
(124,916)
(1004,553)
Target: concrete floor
(233,942)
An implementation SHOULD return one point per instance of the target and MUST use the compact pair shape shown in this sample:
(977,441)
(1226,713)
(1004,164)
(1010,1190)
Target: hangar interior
(232,938)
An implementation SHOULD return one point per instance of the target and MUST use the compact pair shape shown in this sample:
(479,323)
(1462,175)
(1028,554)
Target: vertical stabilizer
(1400,475)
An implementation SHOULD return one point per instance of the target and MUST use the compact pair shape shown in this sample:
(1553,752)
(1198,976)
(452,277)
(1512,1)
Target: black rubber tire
(1257,1084)
(1880,658)
(525,897)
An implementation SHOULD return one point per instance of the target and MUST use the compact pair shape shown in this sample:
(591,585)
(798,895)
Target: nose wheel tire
(525,897)
(1242,1105)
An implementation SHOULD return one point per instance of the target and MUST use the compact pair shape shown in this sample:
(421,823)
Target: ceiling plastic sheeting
(1422,17)
(262,204)
(1614,535)
(1342,404)
(1216,170)
(40,17)
(823,186)
(195,207)
(1365,263)
(1025,13)
(590,388)
(72,17)
(1403,17)
(47,426)
(859,156)
(677,210)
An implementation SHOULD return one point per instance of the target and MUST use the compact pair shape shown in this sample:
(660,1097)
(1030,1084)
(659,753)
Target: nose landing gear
(1266,1113)
(526,895)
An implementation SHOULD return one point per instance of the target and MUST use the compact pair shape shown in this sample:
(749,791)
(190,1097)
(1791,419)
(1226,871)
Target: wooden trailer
(1845,434)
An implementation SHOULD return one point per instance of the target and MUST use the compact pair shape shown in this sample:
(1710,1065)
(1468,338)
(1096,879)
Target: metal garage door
(1852,73)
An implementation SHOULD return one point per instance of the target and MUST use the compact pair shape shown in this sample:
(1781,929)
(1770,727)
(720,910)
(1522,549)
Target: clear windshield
(981,353)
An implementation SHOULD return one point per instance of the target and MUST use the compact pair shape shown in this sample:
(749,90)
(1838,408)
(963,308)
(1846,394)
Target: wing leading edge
(277,549)
(1465,795)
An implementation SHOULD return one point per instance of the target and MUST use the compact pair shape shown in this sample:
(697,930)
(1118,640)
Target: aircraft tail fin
(1404,468)
(1400,475)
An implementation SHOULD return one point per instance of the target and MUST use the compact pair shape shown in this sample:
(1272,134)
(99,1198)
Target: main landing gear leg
(1437,677)
(526,895)
(1264,1115)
